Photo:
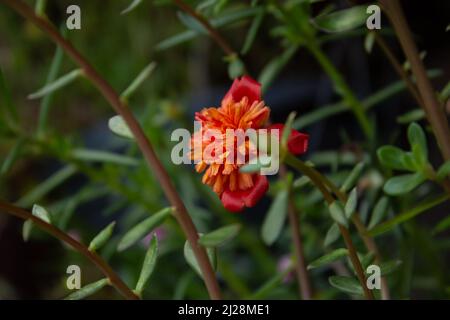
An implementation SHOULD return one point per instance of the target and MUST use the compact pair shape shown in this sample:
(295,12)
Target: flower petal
(244,87)
(297,142)
(253,195)
(232,200)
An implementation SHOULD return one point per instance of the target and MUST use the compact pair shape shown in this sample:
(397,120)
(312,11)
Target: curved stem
(215,35)
(435,113)
(398,68)
(82,249)
(369,242)
(304,283)
(312,175)
(181,213)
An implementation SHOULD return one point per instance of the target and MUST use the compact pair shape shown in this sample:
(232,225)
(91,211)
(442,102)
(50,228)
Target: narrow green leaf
(39,212)
(346,284)
(176,40)
(118,126)
(342,20)
(403,184)
(131,7)
(88,290)
(408,214)
(101,238)
(11,157)
(262,161)
(367,259)
(46,186)
(328,258)
(369,41)
(221,21)
(143,228)
(332,235)
(57,84)
(26,230)
(251,34)
(443,225)
(417,139)
(379,212)
(301,182)
(337,213)
(39,7)
(192,261)
(142,76)
(287,129)
(103,156)
(410,116)
(148,266)
(191,23)
(353,177)
(351,204)
(51,77)
(391,157)
(275,218)
(236,68)
(220,236)
(274,67)
(389,267)
(443,171)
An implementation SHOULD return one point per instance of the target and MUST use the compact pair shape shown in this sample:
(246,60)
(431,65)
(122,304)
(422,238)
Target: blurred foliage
(162,60)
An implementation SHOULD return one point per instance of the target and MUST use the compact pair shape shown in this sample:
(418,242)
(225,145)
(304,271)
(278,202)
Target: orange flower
(241,108)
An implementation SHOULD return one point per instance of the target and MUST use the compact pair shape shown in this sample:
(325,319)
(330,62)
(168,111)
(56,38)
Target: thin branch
(82,249)
(215,35)
(304,283)
(317,181)
(398,68)
(181,213)
(434,111)
(369,242)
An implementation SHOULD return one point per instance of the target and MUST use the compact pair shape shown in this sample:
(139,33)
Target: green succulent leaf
(143,228)
(337,213)
(403,184)
(346,284)
(342,20)
(328,258)
(220,236)
(148,265)
(88,290)
(102,237)
(275,218)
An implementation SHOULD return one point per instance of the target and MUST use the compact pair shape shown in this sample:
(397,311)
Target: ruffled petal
(232,200)
(235,201)
(260,187)
(244,87)
(297,142)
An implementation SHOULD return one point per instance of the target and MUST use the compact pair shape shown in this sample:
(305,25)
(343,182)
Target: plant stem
(304,283)
(311,174)
(82,249)
(434,111)
(215,35)
(181,213)
(342,89)
(398,68)
(369,242)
